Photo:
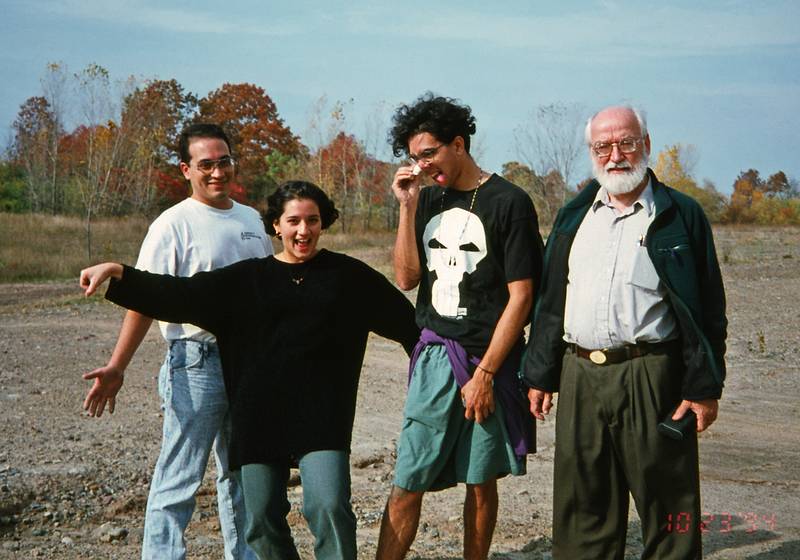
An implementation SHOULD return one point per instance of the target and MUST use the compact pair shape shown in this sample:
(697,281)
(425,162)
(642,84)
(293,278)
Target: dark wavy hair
(296,190)
(442,117)
(199,130)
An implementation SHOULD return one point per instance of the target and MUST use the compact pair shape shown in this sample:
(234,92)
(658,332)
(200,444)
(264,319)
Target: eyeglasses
(626,146)
(427,155)
(207,166)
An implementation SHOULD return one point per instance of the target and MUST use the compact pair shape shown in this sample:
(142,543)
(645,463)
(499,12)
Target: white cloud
(651,29)
(595,28)
(216,21)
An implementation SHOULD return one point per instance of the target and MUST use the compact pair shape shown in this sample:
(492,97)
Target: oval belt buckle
(597,357)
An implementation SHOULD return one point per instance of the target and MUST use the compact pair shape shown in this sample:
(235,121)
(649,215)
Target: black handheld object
(678,429)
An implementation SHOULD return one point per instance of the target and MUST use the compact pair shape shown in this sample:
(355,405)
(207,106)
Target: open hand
(107,383)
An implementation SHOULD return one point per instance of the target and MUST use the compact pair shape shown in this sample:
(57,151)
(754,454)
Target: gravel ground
(75,487)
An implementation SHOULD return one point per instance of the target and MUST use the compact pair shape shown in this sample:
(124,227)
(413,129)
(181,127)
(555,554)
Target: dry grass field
(37,247)
(75,487)
(41,247)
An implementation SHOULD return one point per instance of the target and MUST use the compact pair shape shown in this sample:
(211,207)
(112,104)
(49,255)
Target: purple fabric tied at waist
(516,407)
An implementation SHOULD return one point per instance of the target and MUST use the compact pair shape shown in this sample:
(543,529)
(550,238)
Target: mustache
(621,165)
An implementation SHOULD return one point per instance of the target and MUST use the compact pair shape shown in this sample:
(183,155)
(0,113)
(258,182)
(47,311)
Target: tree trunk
(89,233)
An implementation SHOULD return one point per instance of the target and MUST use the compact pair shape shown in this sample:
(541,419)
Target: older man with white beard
(630,329)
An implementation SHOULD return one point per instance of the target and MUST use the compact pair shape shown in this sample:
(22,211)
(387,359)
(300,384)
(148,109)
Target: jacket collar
(661,195)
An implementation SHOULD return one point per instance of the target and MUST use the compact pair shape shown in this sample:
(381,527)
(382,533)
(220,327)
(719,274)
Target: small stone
(67,541)
(108,532)
(39,532)
(135,536)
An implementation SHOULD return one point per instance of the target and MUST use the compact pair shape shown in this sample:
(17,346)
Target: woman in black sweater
(292,330)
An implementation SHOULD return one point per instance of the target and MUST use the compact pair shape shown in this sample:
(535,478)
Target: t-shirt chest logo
(455,242)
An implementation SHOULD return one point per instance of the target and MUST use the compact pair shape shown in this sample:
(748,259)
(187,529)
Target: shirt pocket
(643,273)
(675,256)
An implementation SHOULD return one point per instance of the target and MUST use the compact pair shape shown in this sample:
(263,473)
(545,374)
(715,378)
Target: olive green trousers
(608,447)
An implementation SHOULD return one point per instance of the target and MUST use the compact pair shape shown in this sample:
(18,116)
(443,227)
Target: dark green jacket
(681,246)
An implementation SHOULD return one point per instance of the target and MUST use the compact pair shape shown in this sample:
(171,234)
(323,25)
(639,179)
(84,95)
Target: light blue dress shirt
(614,295)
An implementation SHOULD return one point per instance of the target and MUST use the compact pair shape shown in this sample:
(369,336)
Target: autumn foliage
(673,167)
(120,157)
(754,200)
(251,121)
(771,201)
(354,178)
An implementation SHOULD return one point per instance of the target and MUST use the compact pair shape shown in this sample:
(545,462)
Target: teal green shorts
(438,446)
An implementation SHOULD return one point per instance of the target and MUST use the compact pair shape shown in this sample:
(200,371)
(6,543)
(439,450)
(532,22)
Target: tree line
(120,158)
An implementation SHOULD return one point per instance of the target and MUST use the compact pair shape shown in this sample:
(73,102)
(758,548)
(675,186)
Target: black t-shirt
(468,258)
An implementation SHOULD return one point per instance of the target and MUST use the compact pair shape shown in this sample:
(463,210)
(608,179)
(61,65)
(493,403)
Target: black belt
(606,356)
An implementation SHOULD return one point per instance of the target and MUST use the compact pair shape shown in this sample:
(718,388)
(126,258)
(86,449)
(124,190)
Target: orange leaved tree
(251,120)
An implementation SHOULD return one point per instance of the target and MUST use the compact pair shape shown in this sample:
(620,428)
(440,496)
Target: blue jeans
(196,419)
(326,506)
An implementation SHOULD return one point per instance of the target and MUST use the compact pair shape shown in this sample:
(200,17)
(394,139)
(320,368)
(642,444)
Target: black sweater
(291,352)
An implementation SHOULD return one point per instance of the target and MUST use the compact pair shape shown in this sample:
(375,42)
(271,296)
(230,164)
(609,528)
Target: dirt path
(64,475)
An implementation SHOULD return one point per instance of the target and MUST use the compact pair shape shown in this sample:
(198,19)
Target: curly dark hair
(442,117)
(295,190)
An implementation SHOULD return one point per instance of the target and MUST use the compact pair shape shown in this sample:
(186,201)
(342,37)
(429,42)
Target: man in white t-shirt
(203,232)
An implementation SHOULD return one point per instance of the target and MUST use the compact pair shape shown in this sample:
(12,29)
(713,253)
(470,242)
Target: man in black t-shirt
(471,243)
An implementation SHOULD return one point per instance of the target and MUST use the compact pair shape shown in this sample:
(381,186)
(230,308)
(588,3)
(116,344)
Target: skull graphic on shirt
(454,242)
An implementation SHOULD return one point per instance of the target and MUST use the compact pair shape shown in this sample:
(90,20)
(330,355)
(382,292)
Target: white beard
(620,184)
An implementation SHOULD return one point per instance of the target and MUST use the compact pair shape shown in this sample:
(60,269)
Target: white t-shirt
(193,237)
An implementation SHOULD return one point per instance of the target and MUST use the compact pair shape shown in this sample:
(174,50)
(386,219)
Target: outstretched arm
(94,276)
(109,378)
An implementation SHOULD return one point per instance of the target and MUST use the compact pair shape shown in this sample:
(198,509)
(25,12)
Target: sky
(721,75)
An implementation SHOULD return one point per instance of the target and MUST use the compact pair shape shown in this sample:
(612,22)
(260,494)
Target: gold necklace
(471,202)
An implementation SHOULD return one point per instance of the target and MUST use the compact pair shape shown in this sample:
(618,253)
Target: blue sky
(721,75)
